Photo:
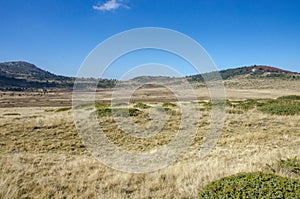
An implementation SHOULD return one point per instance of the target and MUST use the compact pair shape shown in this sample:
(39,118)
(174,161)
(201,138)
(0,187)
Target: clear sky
(57,35)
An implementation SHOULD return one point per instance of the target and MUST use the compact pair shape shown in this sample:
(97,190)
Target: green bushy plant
(281,107)
(63,109)
(252,185)
(141,105)
(124,112)
(169,104)
(289,97)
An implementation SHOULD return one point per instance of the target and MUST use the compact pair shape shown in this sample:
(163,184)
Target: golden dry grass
(42,156)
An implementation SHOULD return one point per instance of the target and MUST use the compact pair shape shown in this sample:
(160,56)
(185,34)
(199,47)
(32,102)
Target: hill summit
(28,71)
(255,71)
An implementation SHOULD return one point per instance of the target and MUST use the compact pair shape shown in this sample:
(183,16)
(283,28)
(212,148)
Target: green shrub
(169,104)
(252,185)
(11,114)
(124,112)
(104,112)
(285,105)
(281,107)
(63,109)
(97,105)
(141,105)
(167,110)
(289,97)
(101,106)
(49,110)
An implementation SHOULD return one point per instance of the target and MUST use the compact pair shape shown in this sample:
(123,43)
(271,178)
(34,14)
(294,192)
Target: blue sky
(58,35)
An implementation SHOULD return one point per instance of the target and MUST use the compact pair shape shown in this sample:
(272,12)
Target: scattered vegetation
(246,105)
(105,110)
(168,110)
(63,109)
(42,155)
(11,114)
(281,107)
(101,106)
(217,103)
(49,110)
(289,97)
(285,105)
(291,166)
(169,104)
(252,185)
(141,105)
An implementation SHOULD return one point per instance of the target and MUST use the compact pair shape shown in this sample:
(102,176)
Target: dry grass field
(42,155)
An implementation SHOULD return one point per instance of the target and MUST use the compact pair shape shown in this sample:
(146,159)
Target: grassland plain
(42,156)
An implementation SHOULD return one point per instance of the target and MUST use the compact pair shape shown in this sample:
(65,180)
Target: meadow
(43,156)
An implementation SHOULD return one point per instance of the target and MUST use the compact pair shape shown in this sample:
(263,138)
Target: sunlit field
(43,156)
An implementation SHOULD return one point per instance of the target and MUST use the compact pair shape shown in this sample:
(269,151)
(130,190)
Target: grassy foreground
(42,156)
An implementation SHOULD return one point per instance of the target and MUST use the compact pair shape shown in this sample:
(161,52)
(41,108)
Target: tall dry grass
(42,156)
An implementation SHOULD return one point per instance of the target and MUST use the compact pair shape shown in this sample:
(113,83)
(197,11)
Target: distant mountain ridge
(23,76)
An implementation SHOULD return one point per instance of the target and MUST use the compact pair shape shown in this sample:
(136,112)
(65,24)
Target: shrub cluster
(168,104)
(122,112)
(141,105)
(252,185)
(286,105)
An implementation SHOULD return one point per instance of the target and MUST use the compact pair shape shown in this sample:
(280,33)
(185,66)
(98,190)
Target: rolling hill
(21,76)
(30,72)
(255,71)
(24,76)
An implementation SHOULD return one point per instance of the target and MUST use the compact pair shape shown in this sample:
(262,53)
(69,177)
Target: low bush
(63,109)
(141,105)
(252,185)
(285,105)
(12,114)
(169,104)
(122,112)
(289,97)
(281,107)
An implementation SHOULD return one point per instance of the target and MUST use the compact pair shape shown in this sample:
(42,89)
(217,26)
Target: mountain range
(24,76)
